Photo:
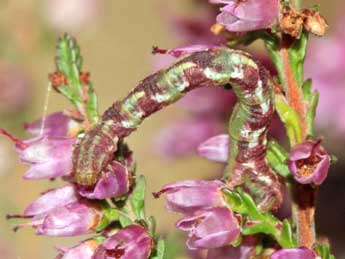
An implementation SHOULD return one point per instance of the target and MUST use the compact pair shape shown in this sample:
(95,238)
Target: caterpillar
(218,67)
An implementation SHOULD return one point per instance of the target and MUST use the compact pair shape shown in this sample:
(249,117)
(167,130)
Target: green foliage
(261,222)
(99,239)
(272,45)
(277,157)
(81,94)
(151,225)
(159,250)
(125,220)
(110,215)
(311,98)
(297,54)
(137,198)
(324,251)
(290,118)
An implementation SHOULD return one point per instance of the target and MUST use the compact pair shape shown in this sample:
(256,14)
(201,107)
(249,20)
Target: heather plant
(233,217)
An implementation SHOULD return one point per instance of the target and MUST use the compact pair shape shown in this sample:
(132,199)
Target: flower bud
(309,163)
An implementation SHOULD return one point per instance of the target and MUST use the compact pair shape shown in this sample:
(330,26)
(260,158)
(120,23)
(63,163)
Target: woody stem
(304,196)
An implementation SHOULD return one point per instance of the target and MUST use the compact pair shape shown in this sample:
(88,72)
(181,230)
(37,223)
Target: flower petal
(215,148)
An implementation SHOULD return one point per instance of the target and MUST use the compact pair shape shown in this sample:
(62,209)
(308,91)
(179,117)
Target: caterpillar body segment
(249,123)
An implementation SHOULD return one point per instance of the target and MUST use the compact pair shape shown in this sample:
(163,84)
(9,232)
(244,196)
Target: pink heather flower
(309,163)
(83,250)
(210,228)
(52,199)
(215,149)
(72,15)
(246,250)
(115,183)
(183,137)
(188,197)
(129,243)
(294,253)
(248,15)
(55,125)
(49,152)
(47,157)
(73,219)
(15,88)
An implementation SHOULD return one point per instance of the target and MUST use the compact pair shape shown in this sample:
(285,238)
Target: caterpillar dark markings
(248,125)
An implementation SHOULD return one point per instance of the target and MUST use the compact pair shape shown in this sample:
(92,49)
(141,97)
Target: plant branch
(293,90)
(304,214)
(304,200)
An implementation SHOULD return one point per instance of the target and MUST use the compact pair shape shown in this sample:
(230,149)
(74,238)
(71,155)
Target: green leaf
(102,224)
(160,250)
(151,222)
(306,89)
(277,157)
(69,63)
(259,228)
(312,99)
(286,236)
(260,222)
(334,159)
(297,54)
(324,251)
(99,239)
(259,248)
(235,201)
(252,209)
(109,216)
(290,118)
(69,60)
(237,242)
(125,221)
(92,104)
(272,45)
(137,198)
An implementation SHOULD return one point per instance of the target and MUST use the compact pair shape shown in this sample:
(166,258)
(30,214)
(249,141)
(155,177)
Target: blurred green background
(116,39)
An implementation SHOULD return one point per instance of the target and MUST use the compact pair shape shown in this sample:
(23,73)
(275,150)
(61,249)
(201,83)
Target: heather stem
(304,197)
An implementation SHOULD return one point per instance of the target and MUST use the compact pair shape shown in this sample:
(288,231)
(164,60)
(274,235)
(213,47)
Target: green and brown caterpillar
(219,67)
